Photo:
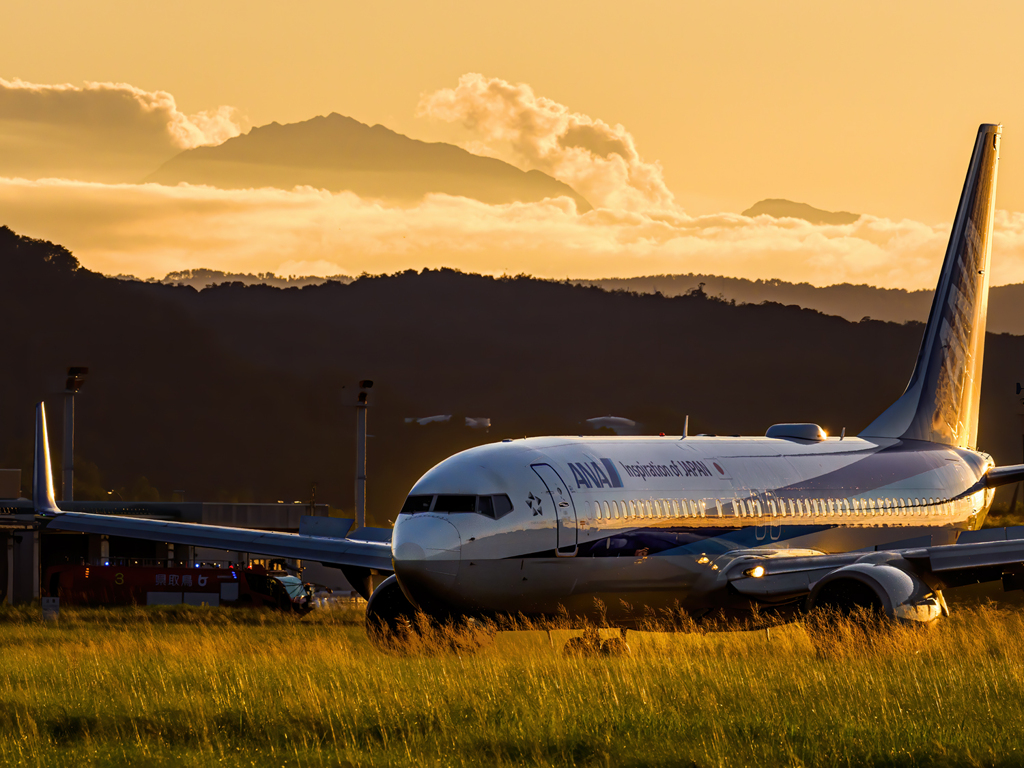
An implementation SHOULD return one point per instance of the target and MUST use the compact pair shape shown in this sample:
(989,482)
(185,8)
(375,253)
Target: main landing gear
(590,644)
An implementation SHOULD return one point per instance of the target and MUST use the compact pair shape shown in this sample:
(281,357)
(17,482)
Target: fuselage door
(564,509)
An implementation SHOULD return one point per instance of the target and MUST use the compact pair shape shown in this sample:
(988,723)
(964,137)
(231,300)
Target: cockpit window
(494,506)
(417,504)
(502,505)
(485,505)
(453,503)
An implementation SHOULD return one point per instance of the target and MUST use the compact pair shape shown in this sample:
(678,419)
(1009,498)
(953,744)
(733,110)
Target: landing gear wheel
(582,646)
(391,621)
(615,646)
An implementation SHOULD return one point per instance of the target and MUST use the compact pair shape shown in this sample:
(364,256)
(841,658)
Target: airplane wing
(321,549)
(356,556)
(985,555)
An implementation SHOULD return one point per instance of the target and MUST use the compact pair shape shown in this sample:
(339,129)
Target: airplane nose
(427,550)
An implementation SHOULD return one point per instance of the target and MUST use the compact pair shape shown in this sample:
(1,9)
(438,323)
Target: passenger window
(650,507)
(607,510)
(702,508)
(615,510)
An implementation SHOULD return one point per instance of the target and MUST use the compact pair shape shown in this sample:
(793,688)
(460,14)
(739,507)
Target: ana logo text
(594,475)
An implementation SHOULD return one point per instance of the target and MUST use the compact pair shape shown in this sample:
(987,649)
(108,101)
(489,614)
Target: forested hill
(854,302)
(240,392)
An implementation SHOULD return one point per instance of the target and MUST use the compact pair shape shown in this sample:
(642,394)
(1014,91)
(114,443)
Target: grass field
(217,687)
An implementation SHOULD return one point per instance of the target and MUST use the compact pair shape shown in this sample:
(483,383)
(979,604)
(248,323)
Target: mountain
(787,209)
(852,302)
(239,392)
(338,153)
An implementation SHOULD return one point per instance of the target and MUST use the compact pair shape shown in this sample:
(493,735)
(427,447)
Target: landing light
(703,560)
(756,572)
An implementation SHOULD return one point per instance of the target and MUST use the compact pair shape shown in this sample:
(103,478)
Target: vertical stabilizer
(42,476)
(941,401)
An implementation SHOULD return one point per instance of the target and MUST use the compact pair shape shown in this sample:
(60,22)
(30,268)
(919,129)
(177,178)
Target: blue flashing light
(234,575)
(106,562)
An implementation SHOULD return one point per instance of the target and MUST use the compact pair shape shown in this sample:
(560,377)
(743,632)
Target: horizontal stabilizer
(328,550)
(1012,473)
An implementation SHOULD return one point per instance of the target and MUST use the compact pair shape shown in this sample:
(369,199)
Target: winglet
(42,477)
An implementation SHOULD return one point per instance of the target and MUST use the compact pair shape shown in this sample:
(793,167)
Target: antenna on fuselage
(686,427)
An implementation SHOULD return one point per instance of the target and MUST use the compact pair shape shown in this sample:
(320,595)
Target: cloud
(106,132)
(598,160)
(150,230)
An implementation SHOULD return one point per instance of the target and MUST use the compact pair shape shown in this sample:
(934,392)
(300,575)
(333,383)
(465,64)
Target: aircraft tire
(584,645)
(615,646)
(391,621)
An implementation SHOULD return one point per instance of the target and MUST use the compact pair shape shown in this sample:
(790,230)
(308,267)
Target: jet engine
(880,587)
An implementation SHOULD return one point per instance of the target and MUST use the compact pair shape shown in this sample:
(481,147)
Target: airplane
(608,531)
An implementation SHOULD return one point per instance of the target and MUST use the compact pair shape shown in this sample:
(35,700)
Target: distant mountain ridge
(852,302)
(787,209)
(339,153)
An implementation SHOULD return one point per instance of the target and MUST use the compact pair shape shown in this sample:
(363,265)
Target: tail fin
(942,398)
(42,475)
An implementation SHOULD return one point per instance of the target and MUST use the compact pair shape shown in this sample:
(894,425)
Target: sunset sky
(867,107)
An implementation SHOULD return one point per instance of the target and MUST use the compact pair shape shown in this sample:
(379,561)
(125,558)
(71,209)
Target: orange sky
(868,107)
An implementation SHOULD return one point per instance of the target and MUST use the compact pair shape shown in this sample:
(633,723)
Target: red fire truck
(144,585)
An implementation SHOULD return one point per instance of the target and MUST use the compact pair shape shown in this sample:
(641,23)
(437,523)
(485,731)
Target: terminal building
(28,548)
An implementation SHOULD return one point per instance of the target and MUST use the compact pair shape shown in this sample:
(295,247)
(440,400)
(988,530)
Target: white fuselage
(611,526)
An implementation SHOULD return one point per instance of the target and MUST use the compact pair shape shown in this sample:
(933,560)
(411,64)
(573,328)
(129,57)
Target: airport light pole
(361,406)
(76,378)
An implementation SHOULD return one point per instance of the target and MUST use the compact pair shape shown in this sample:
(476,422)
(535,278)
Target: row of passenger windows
(613,509)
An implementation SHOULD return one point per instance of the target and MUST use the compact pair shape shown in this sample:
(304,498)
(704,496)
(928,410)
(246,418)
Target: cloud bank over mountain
(99,131)
(149,230)
(93,136)
(598,160)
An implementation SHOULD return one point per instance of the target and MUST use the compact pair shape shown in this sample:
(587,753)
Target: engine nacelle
(882,587)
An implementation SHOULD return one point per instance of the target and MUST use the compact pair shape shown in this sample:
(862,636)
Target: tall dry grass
(220,687)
